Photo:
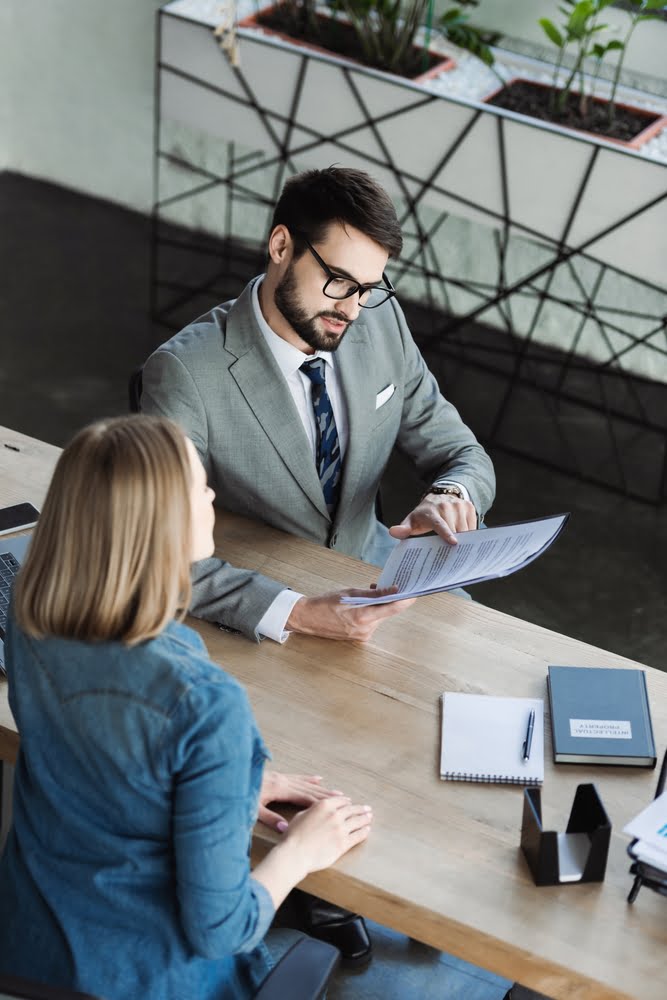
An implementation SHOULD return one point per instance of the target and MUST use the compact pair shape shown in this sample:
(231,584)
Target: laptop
(12,553)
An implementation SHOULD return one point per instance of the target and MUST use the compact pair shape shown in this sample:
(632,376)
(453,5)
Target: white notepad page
(483,737)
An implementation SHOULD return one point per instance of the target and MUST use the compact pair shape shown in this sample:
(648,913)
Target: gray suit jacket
(218,379)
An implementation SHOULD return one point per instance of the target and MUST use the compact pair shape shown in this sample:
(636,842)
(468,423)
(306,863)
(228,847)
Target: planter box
(543,182)
(438,63)
(653,122)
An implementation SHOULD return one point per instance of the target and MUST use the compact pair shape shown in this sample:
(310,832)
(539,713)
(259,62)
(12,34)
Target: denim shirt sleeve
(217,765)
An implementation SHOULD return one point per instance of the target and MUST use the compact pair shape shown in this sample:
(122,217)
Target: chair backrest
(302,973)
(13,988)
(134,388)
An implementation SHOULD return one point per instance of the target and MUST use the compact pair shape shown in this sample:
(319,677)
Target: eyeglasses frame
(332,276)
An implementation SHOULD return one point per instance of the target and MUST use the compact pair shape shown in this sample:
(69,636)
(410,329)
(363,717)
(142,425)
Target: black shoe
(344,930)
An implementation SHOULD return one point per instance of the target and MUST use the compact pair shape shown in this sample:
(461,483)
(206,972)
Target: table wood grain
(443,863)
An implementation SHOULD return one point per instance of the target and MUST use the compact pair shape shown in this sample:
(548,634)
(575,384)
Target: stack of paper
(650,830)
(428,565)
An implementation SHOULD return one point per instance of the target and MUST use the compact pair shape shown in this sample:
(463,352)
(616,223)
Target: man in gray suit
(295,394)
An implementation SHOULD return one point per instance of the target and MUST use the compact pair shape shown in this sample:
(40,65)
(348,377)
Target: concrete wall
(76,77)
(5,32)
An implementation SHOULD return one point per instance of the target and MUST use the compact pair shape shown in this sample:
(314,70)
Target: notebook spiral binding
(487,779)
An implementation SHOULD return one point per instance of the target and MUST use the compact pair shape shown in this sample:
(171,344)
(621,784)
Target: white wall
(5,30)
(77,80)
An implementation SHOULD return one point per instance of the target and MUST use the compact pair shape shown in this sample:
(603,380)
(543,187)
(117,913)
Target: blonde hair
(110,557)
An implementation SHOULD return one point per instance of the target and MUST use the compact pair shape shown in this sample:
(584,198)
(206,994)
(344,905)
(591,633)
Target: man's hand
(443,514)
(327,617)
(298,789)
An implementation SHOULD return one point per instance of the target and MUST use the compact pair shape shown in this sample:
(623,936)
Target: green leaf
(615,44)
(552,32)
(579,16)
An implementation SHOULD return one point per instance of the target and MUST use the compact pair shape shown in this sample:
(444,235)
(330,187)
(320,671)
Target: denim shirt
(126,872)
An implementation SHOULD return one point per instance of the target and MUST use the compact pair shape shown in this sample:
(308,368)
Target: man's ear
(281,245)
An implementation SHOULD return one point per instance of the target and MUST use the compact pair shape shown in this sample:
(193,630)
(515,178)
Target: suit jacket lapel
(353,362)
(262,384)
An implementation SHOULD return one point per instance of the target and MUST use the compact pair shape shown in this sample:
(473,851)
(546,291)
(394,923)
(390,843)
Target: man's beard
(287,301)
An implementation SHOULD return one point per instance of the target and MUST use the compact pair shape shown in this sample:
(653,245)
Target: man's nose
(350,306)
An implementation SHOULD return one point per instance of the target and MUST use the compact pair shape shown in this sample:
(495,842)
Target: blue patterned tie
(328,449)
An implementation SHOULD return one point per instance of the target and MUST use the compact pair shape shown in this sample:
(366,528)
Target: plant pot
(534,95)
(347,48)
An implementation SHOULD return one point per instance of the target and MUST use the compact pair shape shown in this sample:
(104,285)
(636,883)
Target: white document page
(650,828)
(427,565)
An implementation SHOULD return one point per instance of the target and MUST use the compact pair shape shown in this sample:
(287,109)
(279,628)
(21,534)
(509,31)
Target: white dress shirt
(289,359)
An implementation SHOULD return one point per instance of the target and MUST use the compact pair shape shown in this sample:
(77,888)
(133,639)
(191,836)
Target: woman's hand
(324,832)
(297,789)
(315,839)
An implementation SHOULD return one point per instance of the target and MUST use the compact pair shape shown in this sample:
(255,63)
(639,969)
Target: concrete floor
(74,319)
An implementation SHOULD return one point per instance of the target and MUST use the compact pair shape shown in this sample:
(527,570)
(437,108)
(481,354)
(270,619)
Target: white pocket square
(384,395)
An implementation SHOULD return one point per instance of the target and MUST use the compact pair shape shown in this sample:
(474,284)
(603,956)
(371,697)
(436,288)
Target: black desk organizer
(653,878)
(540,847)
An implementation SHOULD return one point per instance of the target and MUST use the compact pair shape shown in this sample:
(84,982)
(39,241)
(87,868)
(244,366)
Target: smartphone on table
(17,517)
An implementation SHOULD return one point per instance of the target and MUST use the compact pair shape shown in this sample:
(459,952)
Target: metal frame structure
(576,401)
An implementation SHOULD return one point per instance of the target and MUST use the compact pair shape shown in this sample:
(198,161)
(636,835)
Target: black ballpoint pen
(529,736)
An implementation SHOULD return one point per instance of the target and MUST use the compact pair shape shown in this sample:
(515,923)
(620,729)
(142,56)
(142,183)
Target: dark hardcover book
(600,716)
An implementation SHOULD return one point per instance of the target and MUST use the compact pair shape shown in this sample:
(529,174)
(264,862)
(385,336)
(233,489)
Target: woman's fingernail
(281,826)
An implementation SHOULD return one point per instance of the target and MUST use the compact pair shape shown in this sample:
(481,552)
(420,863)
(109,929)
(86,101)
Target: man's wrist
(274,623)
(298,618)
(446,489)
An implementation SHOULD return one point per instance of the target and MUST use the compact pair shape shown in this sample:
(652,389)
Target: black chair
(302,974)
(12,988)
(134,388)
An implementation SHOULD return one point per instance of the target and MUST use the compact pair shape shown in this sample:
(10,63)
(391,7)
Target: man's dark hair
(311,201)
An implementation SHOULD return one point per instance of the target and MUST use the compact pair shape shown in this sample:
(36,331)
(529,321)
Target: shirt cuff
(274,619)
(265,914)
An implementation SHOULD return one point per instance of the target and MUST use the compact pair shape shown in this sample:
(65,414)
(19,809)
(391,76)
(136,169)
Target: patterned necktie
(328,458)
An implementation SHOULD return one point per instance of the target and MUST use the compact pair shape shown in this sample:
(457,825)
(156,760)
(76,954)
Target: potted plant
(571,100)
(383,34)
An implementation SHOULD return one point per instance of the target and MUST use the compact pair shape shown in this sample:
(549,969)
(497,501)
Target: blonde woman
(126,871)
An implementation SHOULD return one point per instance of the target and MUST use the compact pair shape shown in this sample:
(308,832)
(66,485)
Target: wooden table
(443,863)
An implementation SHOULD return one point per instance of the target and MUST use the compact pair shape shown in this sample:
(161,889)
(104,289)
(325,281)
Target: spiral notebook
(483,739)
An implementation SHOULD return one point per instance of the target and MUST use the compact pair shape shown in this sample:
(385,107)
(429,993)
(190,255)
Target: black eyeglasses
(338,286)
